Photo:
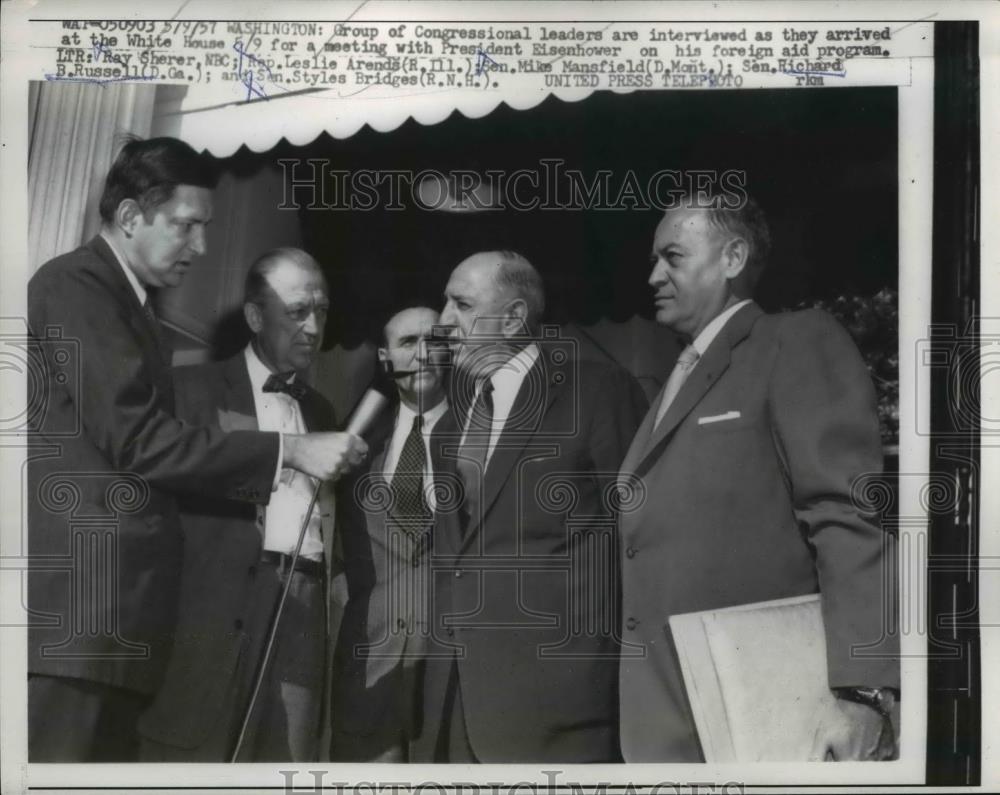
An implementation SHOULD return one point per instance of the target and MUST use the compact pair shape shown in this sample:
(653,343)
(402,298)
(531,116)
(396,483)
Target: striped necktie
(685,364)
(474,452)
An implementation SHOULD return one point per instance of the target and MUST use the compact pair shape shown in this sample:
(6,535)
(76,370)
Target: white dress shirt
(711,331)
(404,422)
(507,380)
(140,291)
(283,515)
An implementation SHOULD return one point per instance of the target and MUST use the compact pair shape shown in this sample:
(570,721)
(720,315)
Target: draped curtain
(75,129)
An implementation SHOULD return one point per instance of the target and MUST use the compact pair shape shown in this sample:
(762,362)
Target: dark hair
(747,221)
(256,286)
(149,171)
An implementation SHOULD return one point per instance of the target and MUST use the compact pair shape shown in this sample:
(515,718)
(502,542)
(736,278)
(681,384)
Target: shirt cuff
(281,457)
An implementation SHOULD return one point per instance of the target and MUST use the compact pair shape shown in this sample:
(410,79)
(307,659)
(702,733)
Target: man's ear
(735,255)
(515,318)
(128,215)
(254,316)
(383,355)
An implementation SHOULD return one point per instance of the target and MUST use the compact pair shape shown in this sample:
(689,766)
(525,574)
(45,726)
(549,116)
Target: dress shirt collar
(711,331)
(507,378)
(431,416)
(140,291)
(259,372)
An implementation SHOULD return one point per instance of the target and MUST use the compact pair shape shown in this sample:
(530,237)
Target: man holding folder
(746,461)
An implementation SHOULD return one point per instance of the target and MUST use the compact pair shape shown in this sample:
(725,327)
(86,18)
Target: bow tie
(275,383)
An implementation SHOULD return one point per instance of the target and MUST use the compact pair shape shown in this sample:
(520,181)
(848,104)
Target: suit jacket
(385,628)
(753,507)
(525,600)
(107,458)
(222,546)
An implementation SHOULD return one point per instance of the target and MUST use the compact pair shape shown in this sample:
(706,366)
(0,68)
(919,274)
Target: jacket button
(632,623)
(458,572)
(630,552)
(238,623)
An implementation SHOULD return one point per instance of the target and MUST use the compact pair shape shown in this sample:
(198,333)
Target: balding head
(418,378)
(493,299)
(285,306)
(257,284)
(499,283)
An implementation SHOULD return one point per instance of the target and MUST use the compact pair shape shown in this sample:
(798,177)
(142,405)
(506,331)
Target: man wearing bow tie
(746,462)
(237,558)
(109,459)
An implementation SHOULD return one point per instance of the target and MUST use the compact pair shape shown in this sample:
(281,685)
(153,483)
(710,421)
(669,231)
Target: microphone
(372,403)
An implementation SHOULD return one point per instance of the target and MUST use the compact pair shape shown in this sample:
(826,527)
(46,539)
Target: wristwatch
(880,699)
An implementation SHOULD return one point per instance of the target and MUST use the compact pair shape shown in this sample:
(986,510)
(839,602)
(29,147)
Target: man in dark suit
(387,513)
(108,456)
(522,666)
(746,462)
(237,557)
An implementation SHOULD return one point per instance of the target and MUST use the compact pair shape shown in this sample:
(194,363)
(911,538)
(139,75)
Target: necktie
(474,451)
(161,343)
(410,511)
(685,363)
(275,383)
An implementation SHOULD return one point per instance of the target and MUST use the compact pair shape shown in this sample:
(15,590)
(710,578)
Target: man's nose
(197,242)
(447,316)
(311,324)
(658,275)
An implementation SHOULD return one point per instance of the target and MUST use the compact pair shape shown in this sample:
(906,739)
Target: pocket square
(729,415)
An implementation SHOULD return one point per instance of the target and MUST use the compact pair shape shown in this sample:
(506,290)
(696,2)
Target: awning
(208,117)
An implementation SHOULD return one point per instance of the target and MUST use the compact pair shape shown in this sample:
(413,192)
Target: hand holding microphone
(325,456)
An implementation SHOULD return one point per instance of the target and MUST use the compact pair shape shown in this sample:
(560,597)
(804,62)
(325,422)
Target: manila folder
(756,678)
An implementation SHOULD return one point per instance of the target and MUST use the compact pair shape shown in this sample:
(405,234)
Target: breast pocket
(725,422)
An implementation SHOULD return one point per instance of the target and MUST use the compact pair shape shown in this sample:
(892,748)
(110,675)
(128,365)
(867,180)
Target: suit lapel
(152,335)
(378,440)
(516,435)
(709,369)
(444,444)
(237,412)
(640,442)
(156,350)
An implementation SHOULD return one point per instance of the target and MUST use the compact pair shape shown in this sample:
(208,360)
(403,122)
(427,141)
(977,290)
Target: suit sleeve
(121,409)
(825,422)
(619,406)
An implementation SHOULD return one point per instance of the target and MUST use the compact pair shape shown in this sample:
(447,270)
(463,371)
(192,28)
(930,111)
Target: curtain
(74,133)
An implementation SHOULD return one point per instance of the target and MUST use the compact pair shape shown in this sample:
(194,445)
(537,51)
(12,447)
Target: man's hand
(326,456)
(853,732)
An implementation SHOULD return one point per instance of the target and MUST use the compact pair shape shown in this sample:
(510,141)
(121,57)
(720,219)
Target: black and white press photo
(592,395)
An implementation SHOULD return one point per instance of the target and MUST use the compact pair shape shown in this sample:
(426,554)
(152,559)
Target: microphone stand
(275,622)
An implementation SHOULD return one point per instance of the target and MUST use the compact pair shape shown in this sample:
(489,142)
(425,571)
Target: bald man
(384,632)
(523,659)
(237,559)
